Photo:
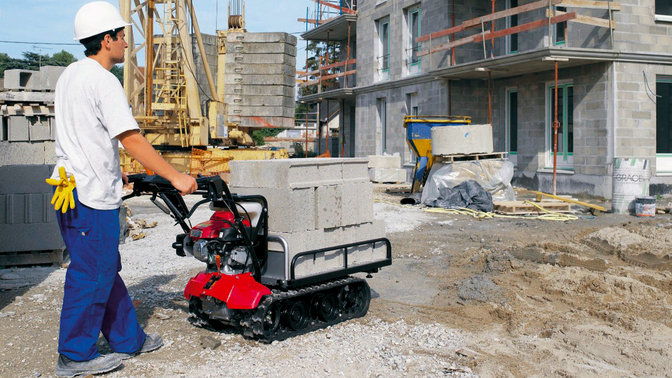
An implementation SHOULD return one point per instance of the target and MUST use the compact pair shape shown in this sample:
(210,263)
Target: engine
(218,244)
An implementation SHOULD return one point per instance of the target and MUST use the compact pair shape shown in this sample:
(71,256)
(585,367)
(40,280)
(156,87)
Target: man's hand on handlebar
(185,184)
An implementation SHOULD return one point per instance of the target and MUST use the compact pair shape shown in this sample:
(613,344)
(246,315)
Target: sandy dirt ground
(464,297)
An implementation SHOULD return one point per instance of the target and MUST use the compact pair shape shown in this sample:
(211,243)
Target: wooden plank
(338,64)
(588,20)
(509,12)
(343,9)
(585,204)
(500,33)
(327,77)
(314,21)
(489,17)
(528,26)
(590,4)
(450,45)
(523,207)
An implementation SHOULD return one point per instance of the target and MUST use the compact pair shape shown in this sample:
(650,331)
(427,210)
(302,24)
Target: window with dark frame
(561,29)
(664,116)
(664,7)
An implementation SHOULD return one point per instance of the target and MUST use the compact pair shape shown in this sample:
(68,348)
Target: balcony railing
(337,75)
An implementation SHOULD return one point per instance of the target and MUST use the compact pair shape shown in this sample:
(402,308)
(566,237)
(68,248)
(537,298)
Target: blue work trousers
(95,298)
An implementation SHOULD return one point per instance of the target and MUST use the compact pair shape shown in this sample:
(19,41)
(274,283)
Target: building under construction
(495,60)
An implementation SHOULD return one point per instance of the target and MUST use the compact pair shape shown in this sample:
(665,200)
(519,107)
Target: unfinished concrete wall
(637,30)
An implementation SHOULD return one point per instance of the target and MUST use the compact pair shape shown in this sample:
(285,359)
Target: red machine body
(240,291)
(211,229)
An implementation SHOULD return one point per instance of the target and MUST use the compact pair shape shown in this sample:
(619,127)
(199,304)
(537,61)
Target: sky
(46,26)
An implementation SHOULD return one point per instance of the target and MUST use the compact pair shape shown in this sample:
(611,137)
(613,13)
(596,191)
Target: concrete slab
(17,129)
(289,210)
(384,161)
(22,153)
(261,38)
(328,206)
(466,139)
(391,175)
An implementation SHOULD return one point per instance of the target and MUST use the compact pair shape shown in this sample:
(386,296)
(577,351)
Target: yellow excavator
(191,125)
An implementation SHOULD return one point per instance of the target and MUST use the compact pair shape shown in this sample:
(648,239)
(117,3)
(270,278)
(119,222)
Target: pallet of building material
(527,207)
(468,157)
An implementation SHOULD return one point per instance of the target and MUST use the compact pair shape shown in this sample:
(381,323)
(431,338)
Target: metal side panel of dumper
(29,231)
(319,265)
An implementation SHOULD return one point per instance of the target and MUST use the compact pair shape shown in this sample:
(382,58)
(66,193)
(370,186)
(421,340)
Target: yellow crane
(164,92)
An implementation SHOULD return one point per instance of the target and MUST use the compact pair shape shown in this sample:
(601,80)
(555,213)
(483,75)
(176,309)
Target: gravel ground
(463,297)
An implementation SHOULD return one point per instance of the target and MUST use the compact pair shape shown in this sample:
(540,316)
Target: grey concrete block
(261,48)
(289,210)
(384,161)
(242,58)
(357,202)
(49,152)
(261,38)
(355,169)
(263,100)
(277,79)
(285,173)
(262,121)
(328,206)
(23,153)
(260,69)
(260,111)
(49,76)
(325,262)
(394,175)
(17,129)
(257,90)
(20,79)
(40,128)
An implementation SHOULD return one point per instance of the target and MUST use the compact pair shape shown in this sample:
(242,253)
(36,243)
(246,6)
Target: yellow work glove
(63,198)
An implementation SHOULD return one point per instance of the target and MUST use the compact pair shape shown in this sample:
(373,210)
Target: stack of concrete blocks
(26,158)
(314,204)
(43,80)
(260,79)
(386,168)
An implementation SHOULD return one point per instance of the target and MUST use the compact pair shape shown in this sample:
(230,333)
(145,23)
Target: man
(92,117)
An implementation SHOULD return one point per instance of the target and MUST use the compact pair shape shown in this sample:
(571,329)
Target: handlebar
(211,188)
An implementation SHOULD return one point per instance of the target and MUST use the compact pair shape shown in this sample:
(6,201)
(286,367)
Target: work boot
(101,364)
(152,342)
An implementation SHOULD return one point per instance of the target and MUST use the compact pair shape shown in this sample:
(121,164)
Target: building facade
(495,61)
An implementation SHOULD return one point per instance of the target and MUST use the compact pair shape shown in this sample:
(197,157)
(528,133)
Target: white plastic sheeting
(493,175)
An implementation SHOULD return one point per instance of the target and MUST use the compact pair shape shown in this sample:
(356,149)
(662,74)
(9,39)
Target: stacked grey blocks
(260,75)
(314,204)
(29,232)
(386,168)
(43,80)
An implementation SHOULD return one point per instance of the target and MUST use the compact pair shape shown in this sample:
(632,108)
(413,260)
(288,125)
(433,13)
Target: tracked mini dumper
(241,286)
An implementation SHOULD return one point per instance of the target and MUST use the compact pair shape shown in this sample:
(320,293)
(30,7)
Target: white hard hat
(97,17)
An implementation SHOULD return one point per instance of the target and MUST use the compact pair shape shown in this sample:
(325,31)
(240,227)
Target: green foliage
(33,61)
(300,153)
(118,71)
(259,135)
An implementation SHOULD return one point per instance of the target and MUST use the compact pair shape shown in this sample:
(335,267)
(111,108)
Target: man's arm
(142,151)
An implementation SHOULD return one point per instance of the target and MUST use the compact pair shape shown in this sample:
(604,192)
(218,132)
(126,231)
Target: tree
(118,71)
(62,58)
(8,63)
(33,61)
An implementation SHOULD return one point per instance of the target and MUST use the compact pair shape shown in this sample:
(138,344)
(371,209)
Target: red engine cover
(239,291)
(211,228)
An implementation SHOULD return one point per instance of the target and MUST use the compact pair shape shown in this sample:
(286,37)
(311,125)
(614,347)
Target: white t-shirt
(91,111)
